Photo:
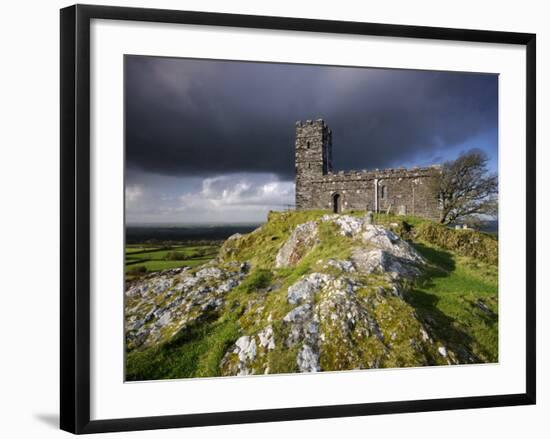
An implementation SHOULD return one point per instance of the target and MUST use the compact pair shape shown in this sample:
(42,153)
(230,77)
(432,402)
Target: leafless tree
(466,188)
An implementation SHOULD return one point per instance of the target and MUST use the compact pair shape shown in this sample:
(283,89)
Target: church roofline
(395,172)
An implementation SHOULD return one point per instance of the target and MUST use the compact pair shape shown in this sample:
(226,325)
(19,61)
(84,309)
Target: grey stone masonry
(399,190)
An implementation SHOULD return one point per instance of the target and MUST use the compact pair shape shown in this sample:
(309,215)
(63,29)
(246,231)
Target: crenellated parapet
(318,186)
(416,172)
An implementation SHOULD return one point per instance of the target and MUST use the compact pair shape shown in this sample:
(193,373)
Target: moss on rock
(348,295)
(471,243)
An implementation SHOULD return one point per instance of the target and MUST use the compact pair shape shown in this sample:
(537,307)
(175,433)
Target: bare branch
(466,189)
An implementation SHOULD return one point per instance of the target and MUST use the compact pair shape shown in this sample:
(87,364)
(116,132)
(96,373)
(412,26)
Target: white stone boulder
(303,290)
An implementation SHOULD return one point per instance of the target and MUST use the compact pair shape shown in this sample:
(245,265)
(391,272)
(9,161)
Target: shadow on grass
(196,350)
(443,327)
(441,259)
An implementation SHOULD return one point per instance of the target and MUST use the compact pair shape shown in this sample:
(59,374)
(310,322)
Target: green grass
(261,247)
(482,246)
(164,253)
(194,352)
(153,266)
(137,249)
(258,279)
(457,297)
(162,258)
(383,218)
(450,297)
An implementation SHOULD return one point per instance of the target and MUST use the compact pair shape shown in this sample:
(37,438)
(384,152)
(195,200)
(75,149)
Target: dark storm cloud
(199,117)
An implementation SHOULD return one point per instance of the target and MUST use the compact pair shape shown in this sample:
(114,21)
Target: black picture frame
(75,217)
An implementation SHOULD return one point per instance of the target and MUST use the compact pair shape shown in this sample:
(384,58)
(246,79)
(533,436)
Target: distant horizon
(198,224)
(220,224)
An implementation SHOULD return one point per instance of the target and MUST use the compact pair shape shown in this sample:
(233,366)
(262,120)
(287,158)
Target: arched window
(383,192)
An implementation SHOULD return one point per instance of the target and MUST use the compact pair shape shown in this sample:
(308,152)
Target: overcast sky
(213,141)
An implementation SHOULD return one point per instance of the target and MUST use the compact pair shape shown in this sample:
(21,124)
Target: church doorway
(336,203)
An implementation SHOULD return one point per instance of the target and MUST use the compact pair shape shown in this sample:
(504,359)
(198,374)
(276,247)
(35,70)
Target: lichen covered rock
(350,313)
(159,306)
(326,294)
(342,323)
(303,290)
(300,242)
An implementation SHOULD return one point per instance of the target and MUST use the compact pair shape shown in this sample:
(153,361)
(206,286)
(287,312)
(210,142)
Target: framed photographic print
(269,218)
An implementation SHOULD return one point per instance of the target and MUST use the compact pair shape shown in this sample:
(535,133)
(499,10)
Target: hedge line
(478,245)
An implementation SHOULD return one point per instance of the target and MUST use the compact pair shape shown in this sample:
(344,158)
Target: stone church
(399,191)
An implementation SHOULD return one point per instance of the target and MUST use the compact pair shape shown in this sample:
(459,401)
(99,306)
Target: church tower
(313,158)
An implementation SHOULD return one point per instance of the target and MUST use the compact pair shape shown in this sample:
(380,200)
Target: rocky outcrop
(160,305)
(304,290)
(349,313)
(302,239)
(344,308)
(337,323)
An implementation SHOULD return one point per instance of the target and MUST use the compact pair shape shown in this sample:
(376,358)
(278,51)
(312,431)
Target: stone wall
(402,191)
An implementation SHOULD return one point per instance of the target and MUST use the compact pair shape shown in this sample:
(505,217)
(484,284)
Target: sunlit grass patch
(195,352)
(458,299)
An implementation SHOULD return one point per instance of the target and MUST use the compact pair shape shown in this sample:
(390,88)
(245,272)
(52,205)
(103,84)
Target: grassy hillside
(458,295)
(455,298)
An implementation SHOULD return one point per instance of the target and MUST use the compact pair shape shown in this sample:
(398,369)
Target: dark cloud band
(202,117)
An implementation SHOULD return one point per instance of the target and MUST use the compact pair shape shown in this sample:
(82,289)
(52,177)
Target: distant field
(141,259)
(138,248)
